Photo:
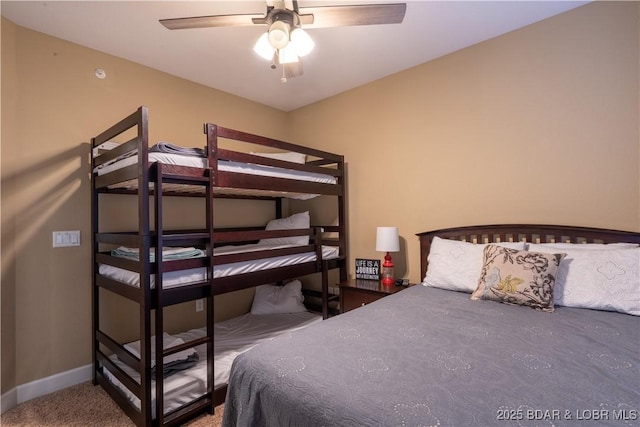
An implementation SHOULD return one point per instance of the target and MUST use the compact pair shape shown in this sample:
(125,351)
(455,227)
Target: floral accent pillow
(518,277)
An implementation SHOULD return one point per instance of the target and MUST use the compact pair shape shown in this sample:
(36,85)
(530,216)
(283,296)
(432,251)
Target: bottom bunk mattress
(231,338)
(235,336)
(426,356)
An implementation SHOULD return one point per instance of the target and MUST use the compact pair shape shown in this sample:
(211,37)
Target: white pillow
(456,265)
(299,220)
(272,299)
(588,246)
(604,279)
(289,156)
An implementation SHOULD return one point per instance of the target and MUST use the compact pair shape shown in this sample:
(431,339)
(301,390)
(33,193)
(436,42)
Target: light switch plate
(63,239)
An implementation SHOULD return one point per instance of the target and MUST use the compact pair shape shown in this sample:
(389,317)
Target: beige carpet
(82,405)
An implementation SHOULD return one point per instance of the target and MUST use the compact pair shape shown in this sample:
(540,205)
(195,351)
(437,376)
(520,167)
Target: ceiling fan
(285,42)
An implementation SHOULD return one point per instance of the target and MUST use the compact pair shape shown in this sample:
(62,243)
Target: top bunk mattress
(224,166)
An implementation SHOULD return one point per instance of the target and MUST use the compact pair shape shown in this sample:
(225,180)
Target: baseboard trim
(8,400)
(47,385)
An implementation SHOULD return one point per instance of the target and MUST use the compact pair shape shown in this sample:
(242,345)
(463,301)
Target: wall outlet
(63,239)
(199,304)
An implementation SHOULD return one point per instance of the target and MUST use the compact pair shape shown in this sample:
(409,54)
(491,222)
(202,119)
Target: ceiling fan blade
(343,16)
(306,20)
(211,21)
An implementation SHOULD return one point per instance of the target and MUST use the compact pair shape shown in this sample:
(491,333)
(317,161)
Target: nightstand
(357,292)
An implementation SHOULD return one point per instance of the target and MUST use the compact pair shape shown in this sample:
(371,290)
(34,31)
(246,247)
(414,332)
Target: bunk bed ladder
(159,301)
(209,210)
(206,401)
(145,264)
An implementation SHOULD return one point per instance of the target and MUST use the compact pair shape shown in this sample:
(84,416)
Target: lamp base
(387,271)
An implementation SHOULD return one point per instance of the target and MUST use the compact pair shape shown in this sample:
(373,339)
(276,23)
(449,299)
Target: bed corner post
(325,290)
(94,291)
(342,221)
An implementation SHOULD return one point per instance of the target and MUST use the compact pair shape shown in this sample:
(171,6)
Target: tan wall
(7,170)
(60,105)
(537,126)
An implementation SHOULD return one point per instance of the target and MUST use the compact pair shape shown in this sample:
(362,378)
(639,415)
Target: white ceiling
(223,58)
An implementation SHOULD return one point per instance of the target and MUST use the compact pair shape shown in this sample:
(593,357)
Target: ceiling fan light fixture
(264,48)
(301,41)
(278,34)
(284,36)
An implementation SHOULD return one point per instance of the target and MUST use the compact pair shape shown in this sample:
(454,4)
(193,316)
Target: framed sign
(368,269)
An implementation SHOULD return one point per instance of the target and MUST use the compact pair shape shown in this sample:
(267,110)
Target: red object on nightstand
(387,271)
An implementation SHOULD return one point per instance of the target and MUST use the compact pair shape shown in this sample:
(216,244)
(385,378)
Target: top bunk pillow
(273,299)
(605,279)
(456,265)
(295,221)
(289,156)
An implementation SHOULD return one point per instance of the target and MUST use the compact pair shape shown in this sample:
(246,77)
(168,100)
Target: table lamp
(387,241)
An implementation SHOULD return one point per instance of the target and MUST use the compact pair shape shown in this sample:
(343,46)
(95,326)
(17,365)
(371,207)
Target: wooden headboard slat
(533,233)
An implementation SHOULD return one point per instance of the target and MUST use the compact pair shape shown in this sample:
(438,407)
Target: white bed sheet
(226,166)
(179,389)
(178,278)
(231,337)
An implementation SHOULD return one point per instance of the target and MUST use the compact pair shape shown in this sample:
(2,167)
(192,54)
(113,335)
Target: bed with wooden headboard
(512,325)
(522,232)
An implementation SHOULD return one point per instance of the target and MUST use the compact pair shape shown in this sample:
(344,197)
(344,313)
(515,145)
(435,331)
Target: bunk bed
(436,355)
(156,267)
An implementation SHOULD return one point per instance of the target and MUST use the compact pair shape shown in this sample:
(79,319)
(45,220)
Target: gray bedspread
(431,357)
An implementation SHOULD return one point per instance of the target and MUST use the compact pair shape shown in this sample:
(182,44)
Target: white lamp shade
(279,34)
(387,239)
(301,41)
(264,48)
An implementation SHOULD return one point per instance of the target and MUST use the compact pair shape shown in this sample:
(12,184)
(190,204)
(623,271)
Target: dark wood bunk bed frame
(152,182)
